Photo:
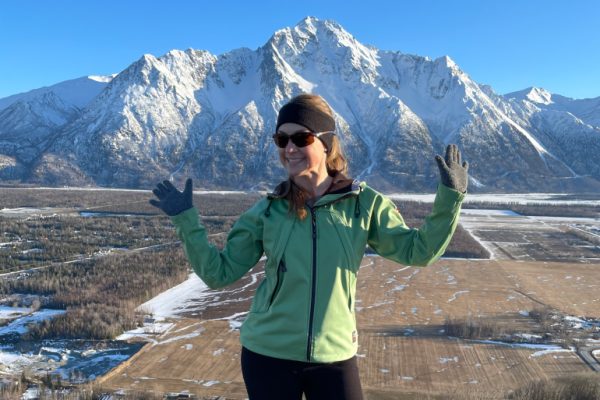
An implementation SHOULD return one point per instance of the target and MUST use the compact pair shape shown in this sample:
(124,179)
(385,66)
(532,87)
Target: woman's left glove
(170,200)
(452,173)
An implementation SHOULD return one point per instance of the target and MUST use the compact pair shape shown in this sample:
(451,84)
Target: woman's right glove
(170,200)
(452,173)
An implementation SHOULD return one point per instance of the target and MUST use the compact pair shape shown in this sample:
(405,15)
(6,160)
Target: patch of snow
(543,349)
(19,325)
(30,211)
(218,352)
(456,294)
(579,323)
(170,303)
(236,320)
(549,351)
(445,360)
(473,211)
(146,331)
(383,303)
(528,336)
(194,334)
(13,312)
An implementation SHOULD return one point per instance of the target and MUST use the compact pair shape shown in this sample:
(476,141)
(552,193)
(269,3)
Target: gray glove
(170,200)
(452,173)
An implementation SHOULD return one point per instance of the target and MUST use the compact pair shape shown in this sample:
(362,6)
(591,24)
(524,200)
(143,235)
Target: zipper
(280,270)
(314,283)
(313,294)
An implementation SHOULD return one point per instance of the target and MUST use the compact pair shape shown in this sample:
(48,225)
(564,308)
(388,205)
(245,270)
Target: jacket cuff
(186,220)
(446,195)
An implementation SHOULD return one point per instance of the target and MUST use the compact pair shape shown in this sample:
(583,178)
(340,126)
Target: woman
(300,335)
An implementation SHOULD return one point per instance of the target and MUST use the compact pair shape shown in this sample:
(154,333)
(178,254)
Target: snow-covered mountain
(29,120)
(192,113)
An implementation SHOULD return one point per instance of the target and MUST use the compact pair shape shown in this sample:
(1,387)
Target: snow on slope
(211,117)
(75,92)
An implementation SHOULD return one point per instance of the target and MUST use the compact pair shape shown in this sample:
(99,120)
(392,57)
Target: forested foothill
(99,254)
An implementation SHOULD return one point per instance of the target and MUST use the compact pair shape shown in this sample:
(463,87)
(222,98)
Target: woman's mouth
(294,160)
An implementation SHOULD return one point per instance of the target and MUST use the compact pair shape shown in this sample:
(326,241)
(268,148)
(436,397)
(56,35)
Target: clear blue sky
(508,44)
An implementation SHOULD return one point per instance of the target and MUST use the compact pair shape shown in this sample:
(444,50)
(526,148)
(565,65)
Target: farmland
(519,269)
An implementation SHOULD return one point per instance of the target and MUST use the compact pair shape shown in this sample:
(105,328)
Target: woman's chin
(295,170)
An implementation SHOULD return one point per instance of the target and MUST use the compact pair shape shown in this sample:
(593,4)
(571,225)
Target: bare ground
(401,312)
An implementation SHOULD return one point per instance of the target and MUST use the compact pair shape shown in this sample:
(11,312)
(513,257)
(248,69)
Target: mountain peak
(539,95)
(326,32)
(532,94)
(447,62)
(314,24)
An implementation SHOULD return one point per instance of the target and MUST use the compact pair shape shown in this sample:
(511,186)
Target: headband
(303,113)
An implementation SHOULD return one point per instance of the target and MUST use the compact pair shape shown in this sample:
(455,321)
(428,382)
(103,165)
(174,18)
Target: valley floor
(401,315)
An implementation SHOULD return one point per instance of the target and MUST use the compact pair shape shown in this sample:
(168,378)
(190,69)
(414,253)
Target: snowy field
(509,235)
(500,198)
(504,198)
(22,317)
(71,359)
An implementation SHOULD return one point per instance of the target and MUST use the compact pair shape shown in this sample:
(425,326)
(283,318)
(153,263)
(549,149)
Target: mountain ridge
(192,113)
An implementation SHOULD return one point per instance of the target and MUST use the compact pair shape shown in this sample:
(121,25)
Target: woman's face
(302,161)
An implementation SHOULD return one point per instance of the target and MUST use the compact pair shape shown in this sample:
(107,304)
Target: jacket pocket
(268,288)
(281,270)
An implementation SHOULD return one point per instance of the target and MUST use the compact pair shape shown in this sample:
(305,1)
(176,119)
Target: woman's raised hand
(170,200)
(453,173)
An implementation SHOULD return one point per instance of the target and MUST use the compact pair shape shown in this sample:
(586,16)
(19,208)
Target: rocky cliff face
(191,113)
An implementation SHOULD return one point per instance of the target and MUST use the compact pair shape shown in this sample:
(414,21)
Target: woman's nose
(290,147)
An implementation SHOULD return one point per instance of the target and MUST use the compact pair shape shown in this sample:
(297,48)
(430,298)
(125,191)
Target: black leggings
(273,378)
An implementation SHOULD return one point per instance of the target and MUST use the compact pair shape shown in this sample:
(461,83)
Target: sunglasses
(300,139)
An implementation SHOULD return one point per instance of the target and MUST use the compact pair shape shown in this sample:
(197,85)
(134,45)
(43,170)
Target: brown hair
(336,160)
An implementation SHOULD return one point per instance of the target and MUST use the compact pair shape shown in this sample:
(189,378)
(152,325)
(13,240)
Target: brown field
(401,313)
(405,352)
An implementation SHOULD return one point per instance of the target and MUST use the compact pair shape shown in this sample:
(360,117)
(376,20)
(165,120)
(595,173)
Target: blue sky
(509,44)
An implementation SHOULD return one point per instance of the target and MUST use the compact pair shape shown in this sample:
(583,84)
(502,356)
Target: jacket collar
(340,187)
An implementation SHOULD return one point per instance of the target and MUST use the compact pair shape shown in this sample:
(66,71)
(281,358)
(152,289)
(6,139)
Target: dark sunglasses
(300,139)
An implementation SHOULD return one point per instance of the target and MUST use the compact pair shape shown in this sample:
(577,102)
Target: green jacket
(304,307)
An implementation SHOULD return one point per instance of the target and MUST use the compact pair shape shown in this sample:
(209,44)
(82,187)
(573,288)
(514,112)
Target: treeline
(551,326)
(582,386)
(60,238)
(122,201)
(541,209)
(100,296)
